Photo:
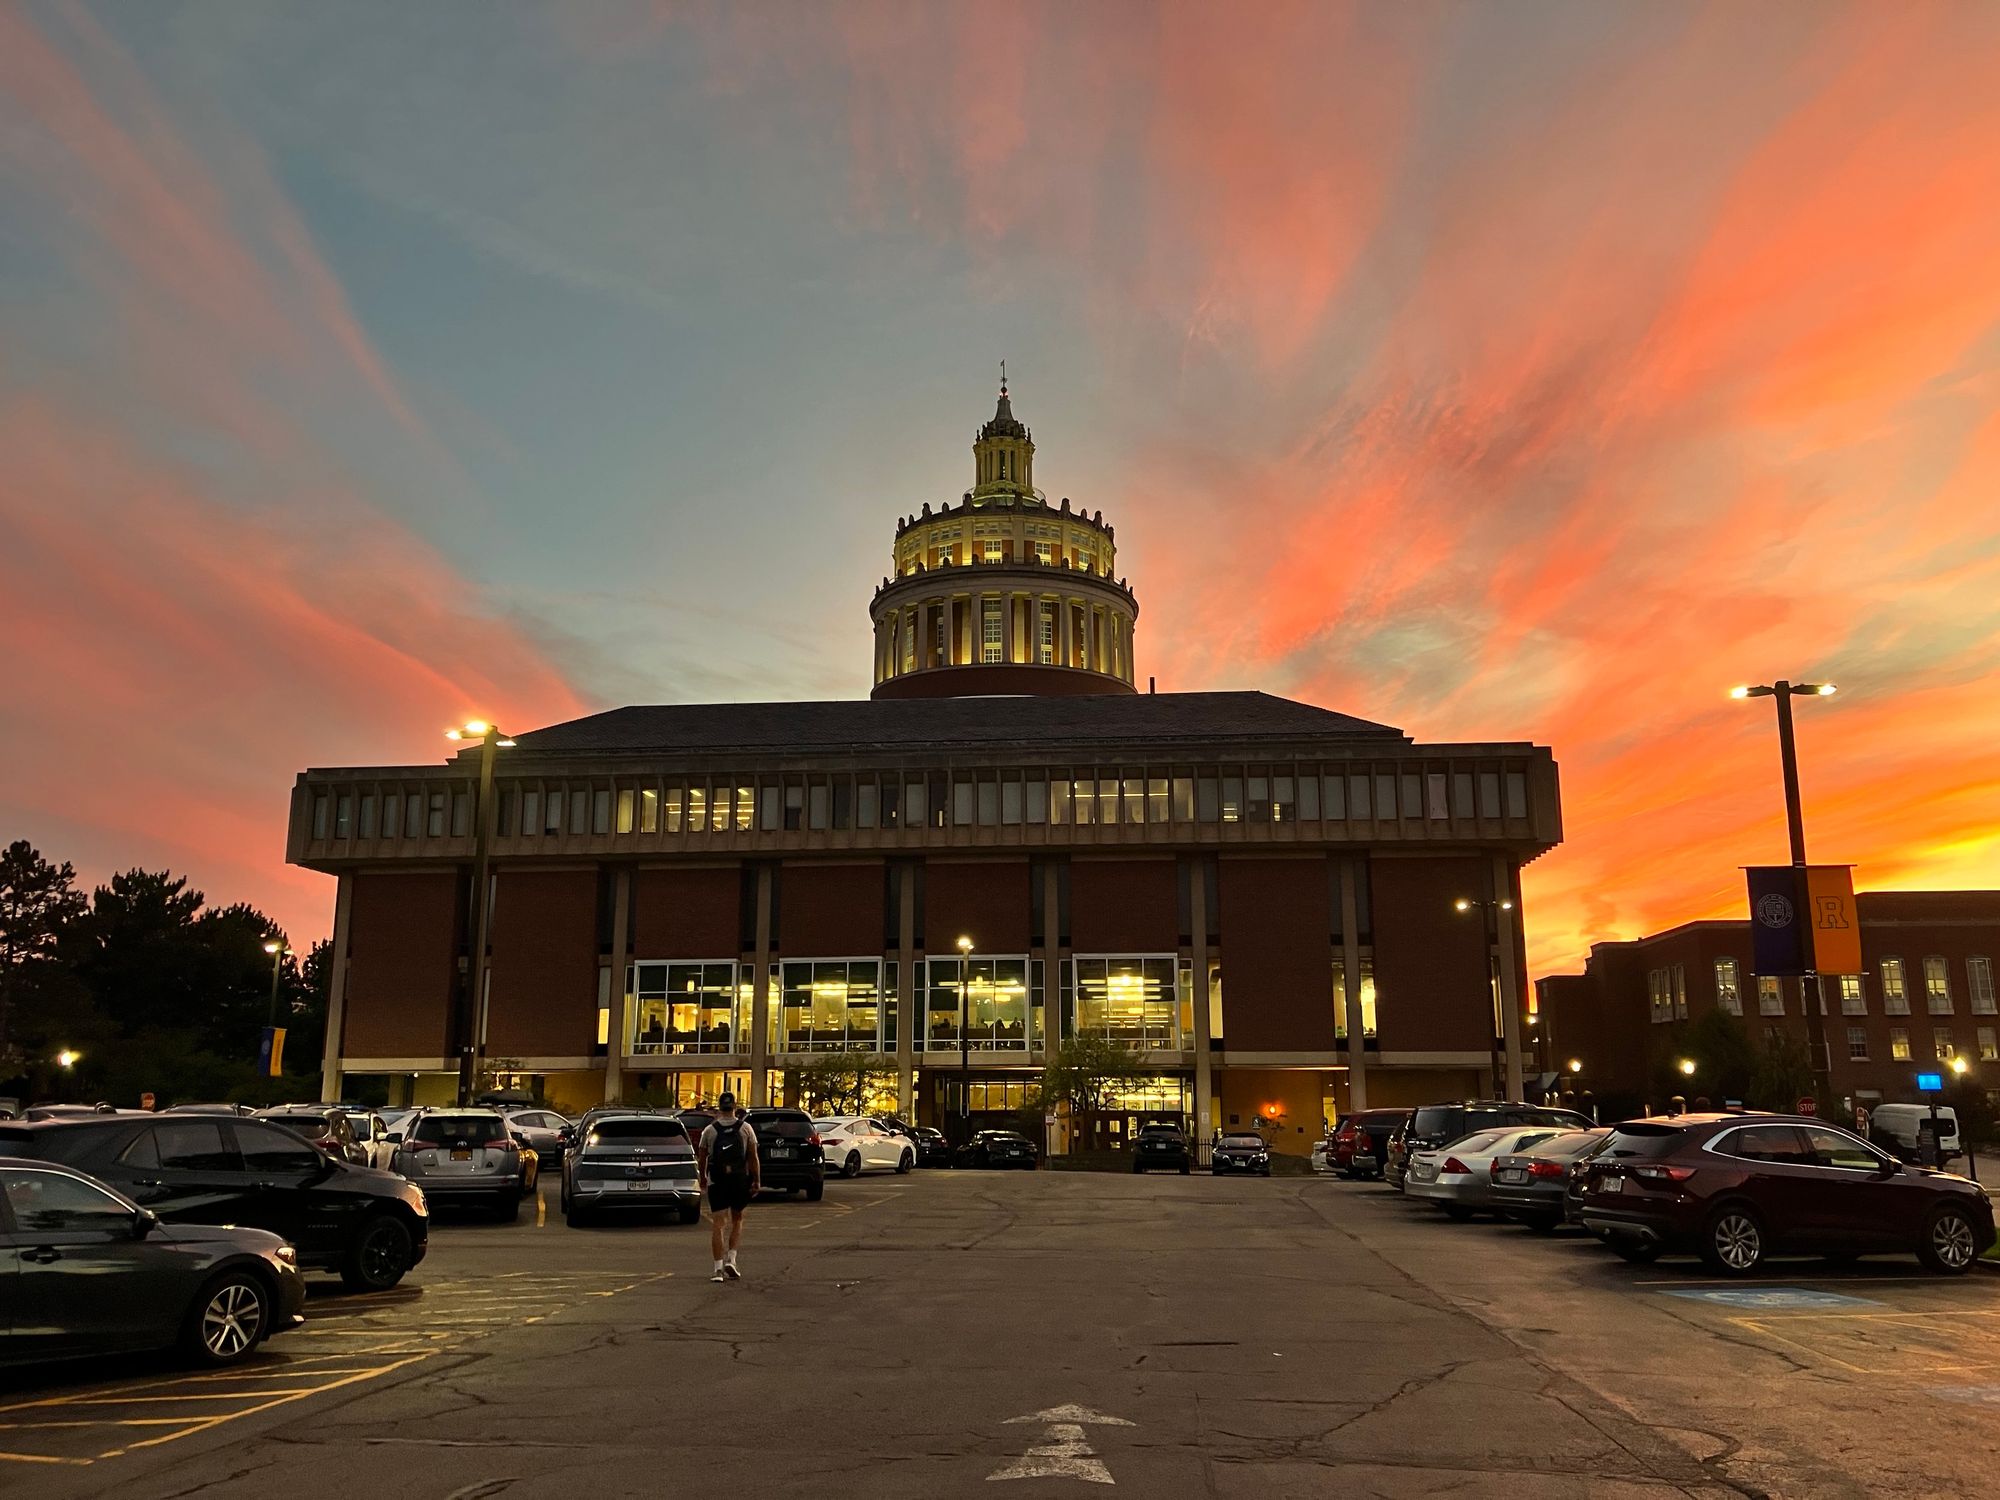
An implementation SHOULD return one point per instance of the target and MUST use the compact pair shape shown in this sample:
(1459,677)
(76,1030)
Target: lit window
(688,1007)
(1770,999)
(626,802)
(1680,992)
(993,550)
(649,810)
(1045,640)
(1131,1000)
(1942,1045)
(1978,975)
(1852,1001)
(1937,985)
(1989,1046)
(993,646)
(1899,1043)
(1044,552)
(1728,996)
(1857,1044)
(1895,999)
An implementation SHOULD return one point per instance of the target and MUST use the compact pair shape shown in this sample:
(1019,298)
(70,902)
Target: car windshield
(1244,1142)
(1638,1138)
(645,1129)
(1479,1140)
(312,1127)
(458,1130)
(1567,1146)
(1436,1121)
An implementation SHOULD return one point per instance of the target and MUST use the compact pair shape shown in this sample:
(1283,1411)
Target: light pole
(1959,1067)
(964,1048)
(277,950)
(1501,975)
(472,1006)
(1795,822)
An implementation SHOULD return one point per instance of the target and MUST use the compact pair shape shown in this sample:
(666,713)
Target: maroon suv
(1736,1188)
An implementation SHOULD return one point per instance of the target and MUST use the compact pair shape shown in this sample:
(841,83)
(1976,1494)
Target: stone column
(621,988)
(331,1075)
(1204,1081)
(1063,646)
(908,996)
(1350,960)
(760,994)
(1510,980)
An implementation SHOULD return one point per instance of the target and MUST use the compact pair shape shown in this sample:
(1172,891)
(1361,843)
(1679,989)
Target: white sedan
(1459,1178)
(852,1144)
(372,1131)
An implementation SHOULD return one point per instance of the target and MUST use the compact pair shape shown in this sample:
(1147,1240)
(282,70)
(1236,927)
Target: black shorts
(728,1194)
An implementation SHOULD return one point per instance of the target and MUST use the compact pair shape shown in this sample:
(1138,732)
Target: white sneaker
(718,1274)
(729,1270)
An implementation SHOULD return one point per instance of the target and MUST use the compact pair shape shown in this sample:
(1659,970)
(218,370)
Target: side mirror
(144,1222)
(567,1133)
(1889,1167)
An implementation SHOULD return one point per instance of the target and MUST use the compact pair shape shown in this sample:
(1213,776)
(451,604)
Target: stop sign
(1808,1105)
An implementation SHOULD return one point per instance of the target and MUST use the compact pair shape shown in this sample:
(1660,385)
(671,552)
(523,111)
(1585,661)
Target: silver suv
(630,1161)
(459,1155)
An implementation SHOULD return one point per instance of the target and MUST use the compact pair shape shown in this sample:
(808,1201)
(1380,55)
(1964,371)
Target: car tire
(1950,1244)
(1733,1241)
(815,1191)
(508,1206)
(1138,1169)
(1457,1212)
(852,1166)
(1632,1250)
(690,1213)
(228,1320)
(1185,1168)
(573,1216)
(905,1164)
(379,1256)
(1542,1223)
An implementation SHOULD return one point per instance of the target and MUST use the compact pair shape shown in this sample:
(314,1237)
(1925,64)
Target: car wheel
(228,1319)
(815,1191)
(905,1163)
(1542,1223)
(1184,1169)
(1733,1243)
(379,1256)
(1637,1251)
(852,1166)
(1457,1211)
(690,1213)
(573,1216)
(1138,1168)
(508,1205)
(1949,1245)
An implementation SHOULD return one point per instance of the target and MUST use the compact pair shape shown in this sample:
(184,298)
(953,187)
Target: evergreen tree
(38,902)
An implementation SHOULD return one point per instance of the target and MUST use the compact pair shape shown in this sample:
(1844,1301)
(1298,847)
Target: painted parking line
(1770,1298)
(1945,1342)
(349,1340)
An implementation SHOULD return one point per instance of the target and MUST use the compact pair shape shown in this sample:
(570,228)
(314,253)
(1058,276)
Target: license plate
(461,1155)
(1612,1185)
(639,1186)
(780,1153)
(1512,1175)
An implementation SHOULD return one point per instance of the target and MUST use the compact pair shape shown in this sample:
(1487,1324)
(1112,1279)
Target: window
(319,816)
(1899,1043)
(992,550)
(1517,794)
(818,808)
(1208,802)
(1728,995)
(1126,999)
(961,803)
(1857,1044)
(56,1203)
(1045,626)
(1770,999)
(831,1005)
(649,810)
(1038,801)
(1436,800)
(1489,794)
(1660,994)
(1385,797)
(392,815)
(1010,801)
(1340,1031)
(867,805)
(1766,1143)
(368,814)
(626,807)
(1680,992)
(993,647)
(1257,800)
(1852,1001)
(1044,554)
(268,1149)
(434,823)
(1979,982)
(1836,1148)
(992,994)
(1156,799)
(194,1146)
(1357,798)
(1942,1044)
(1989,1047)
(343,816)
(551,812)
(688,1007)
(461,815)
(1309,798)
(989,801)
(795,807)
(579,810)
(600,810)
(1895,999)
(1461,794)
(1937,985)
(413,815)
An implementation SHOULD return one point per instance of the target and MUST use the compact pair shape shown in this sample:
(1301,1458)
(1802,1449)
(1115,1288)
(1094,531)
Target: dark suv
(1162,1145)
(368,1225)
(1432,1125)
(788,1154)
(1736,1188)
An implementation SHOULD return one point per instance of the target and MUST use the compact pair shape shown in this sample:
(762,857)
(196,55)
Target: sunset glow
(1535,372)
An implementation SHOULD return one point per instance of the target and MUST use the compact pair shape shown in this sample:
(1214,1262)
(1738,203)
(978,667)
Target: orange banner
(1836,925)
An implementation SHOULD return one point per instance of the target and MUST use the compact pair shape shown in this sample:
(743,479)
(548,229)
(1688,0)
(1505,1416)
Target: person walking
(729,1173)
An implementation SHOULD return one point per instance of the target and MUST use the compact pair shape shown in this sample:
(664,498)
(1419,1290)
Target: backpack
(726,1156)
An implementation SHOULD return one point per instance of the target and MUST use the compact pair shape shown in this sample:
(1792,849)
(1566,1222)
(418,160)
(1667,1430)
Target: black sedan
(1162,1146)
(1240,1153)
(370,1226)
(89,1272)
(998,1148)
(933,1150)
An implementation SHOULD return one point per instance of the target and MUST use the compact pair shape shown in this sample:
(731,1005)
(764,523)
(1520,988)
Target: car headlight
(423,1203)
(285,1255)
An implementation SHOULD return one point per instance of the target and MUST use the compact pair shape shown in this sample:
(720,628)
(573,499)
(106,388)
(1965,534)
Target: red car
(1361,1144)
(1737,1188)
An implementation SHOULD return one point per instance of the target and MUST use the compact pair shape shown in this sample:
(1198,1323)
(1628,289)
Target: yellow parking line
(40,1458)
(263,1406)
(1756,1327)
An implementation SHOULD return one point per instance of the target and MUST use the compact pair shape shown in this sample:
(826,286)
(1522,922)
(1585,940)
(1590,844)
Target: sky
(1525,371)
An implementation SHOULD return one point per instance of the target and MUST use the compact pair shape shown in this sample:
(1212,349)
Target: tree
(1085,1074)
(38,903)
(841,1083)
(1783,1075)
(1725,1059)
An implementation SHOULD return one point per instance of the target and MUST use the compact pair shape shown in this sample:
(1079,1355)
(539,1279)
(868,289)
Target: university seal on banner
(1774,910)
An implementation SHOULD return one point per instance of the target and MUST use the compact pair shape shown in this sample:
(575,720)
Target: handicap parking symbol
(1770,1298)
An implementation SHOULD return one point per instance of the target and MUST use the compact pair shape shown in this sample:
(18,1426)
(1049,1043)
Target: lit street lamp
(964,1047)
(1959,1068)
(1506,1002)
(277,950)
(67,1059)
(1687,1067)
(1576,1065)
(472,1006)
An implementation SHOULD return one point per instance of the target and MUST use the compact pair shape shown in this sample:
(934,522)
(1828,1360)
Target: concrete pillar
(331,1078)
(621,984)
(760,994)
(1204,1081)
(1510,979)
(1350,959)
(912,1000)
(1067,654)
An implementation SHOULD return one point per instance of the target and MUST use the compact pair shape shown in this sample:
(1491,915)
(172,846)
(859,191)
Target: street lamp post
(1510,1020)
(1958,1068)
(964,1048)
(472,1006)
(277,950)
(1783,691)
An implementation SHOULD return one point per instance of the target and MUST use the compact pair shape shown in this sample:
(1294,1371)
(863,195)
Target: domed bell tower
(1003,593)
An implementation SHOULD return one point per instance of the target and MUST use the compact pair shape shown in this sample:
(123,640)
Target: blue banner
(271,1051)
(1781,939)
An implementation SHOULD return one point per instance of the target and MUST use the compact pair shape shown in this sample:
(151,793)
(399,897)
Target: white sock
(731,1257)
(718,1265)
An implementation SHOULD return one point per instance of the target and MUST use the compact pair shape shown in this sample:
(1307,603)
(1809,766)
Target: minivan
(1897,1128)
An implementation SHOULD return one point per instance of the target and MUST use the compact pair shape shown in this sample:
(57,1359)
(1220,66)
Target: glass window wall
(688,1007)
(832,1005)
(991,993)
(1129,999)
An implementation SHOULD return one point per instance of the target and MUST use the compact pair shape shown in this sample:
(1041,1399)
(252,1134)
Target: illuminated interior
(992,994)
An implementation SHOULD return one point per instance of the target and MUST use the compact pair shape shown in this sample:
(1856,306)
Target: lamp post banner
(1836,927)
(1781,942)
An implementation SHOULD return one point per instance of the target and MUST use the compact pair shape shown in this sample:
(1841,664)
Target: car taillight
(498,1143)
(1454,1167)
(1545,1169)
(813,1139)
(1663,1174)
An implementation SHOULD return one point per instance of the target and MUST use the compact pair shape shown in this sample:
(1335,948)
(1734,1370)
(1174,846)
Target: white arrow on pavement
(1066,1453)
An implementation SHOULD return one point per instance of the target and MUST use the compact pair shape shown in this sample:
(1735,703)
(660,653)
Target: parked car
(1396,1160)
(209,1109)
(1162,1145)
(73,1111)
(370,1226)
(695,1121)
(98,1274)
(1239,1151)
(1736,1189)
(789,1158)
(1433,1125)
(464,1155)
(933,1150)
(854,1144)
(1361,1144)
(371,1131)
(1532,1184)
(631,1161)
(541,1130)
(1458,1178)
(1898,1129)
(997,1148)
(1321,1156)
(323,1125)
(576,1132)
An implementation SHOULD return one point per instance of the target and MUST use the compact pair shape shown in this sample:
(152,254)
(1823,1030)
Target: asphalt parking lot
(1055,1333)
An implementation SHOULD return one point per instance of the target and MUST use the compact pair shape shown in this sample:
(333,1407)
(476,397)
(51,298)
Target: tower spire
(1003,377)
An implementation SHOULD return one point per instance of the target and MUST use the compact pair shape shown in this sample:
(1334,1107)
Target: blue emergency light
(1930,1083)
